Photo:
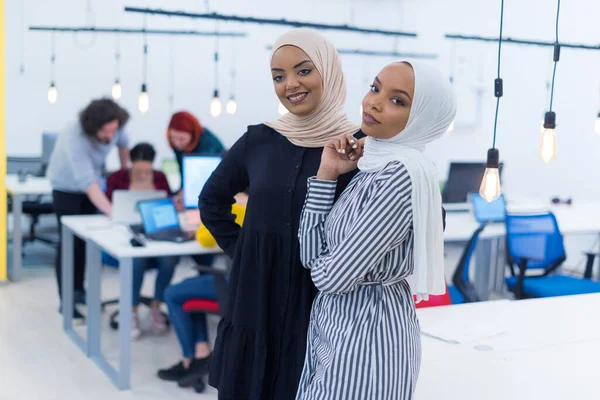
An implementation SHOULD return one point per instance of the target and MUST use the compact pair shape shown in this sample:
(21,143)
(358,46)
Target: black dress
(261,341)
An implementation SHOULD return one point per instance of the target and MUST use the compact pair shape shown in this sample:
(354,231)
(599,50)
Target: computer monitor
(463,178)
(158,215)
(48,143)
(197,168)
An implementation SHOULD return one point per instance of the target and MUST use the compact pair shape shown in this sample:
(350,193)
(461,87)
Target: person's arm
(383,225)
(99,199)
(218,194)
(124,157)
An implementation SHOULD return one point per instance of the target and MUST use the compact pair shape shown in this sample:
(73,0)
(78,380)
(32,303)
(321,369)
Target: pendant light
(547,149)
(490,188)
(231,107)
(143,98)
(215,105)
(116,88)
(52,90)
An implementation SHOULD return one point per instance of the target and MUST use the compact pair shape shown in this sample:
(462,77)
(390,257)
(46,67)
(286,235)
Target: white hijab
(433,109)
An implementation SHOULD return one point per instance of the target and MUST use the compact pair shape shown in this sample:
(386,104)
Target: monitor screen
(196,171)
(463,178)
(158,215)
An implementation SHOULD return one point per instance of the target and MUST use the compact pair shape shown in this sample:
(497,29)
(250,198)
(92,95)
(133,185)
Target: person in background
(75,172)
(142,176)
(191,329)
(187,136)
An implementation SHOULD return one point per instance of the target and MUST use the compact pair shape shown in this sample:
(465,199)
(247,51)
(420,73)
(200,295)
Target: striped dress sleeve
(320,196)
(384,222)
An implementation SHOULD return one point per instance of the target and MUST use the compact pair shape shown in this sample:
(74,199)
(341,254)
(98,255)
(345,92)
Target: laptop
(463,178)
(125,210)
(197,168)
(161,222)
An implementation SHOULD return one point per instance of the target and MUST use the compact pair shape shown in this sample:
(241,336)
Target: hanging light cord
(498,82)
(145,74)
(118,58)
(556,56)
(53,57)
(217,56)
(233,69)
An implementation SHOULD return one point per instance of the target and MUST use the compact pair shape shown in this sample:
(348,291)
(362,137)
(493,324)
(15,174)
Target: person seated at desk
(191,330)
(75,173)
(142,176)
(187,136)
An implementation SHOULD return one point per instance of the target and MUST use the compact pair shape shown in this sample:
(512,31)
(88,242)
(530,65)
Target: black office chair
(33,206)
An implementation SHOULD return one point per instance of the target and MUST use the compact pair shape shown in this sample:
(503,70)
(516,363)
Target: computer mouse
(135,242)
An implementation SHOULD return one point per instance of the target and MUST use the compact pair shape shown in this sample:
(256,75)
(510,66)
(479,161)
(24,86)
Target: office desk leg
(17,236)
(483,261)
(67,277)
(125,315)
(93,264)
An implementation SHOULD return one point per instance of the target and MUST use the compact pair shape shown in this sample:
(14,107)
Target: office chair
(33,206)
(463,291)
(209,306)
(535,252)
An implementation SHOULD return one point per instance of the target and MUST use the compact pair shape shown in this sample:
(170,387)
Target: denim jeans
(190,329)
(166,268)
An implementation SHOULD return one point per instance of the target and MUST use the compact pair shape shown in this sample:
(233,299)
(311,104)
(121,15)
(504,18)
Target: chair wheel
(114,320)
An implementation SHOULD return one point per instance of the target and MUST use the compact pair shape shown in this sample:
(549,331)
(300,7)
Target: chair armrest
(589,265)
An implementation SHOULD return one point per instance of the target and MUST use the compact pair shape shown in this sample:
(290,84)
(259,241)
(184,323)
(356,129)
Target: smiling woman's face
(297,82)
(386,107)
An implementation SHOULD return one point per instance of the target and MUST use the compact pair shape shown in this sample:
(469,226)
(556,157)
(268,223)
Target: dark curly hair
(100,112)
(142,152)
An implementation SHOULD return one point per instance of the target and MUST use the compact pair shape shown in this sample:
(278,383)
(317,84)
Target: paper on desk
(461,331)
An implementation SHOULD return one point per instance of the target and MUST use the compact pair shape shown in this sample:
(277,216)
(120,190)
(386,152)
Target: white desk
(578,219)
(100,234)
(528,349)
(33,186)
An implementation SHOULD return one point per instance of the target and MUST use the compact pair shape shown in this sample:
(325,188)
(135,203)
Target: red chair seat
(201,305)
(434,301)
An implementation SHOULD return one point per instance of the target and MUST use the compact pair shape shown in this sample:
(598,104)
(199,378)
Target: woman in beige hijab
(261,341)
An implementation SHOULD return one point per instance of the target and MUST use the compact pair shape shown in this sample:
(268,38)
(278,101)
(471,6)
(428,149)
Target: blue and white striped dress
(364,336)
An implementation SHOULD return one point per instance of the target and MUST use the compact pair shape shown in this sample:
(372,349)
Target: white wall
(85,69)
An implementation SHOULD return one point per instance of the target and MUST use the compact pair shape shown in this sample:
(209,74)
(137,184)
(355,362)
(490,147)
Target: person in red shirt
(142,176)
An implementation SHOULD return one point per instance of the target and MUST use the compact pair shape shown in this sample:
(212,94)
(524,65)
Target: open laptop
(161,222)
(125,210)
(463,178)
(197,168)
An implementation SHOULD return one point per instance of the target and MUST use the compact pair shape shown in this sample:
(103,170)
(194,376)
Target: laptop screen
(196,171)
(463,178)
(158,215)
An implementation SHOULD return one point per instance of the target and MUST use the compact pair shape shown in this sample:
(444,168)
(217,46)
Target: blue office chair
(485,213)
(535,247)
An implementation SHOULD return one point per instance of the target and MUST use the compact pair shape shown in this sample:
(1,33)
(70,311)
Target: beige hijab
(329,120)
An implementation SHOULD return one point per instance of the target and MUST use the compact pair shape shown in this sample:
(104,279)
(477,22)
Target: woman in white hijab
(381,238)
(261,341)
